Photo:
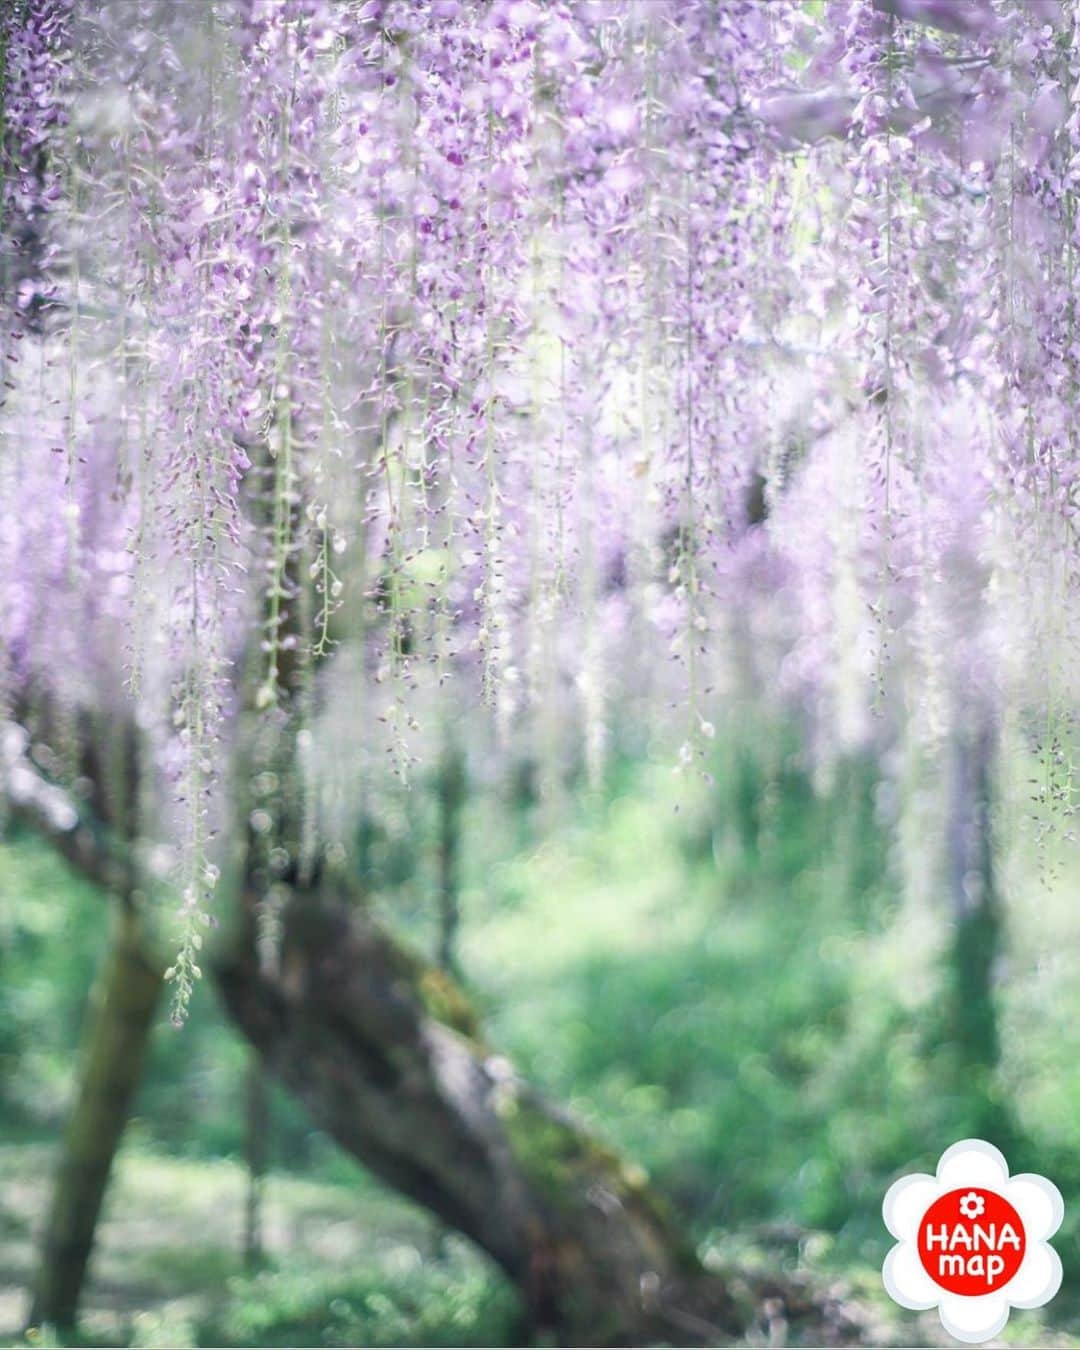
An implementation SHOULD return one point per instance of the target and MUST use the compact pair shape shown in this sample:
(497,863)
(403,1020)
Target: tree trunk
(119,1031)
(451,787)
(256,1142)
(385,1053)
(977,924)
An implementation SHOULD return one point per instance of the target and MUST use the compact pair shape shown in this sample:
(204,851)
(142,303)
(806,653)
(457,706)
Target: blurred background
(739,982)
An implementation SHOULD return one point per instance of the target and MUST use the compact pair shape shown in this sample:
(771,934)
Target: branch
(972,20)
(34,800)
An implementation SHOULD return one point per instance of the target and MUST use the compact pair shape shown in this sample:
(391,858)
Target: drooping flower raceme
(580,362)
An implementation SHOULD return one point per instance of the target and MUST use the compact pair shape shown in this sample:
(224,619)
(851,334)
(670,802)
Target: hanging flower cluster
(33,51)
(577,360)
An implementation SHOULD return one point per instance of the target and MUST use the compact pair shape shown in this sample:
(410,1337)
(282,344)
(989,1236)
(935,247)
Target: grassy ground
(345,1265)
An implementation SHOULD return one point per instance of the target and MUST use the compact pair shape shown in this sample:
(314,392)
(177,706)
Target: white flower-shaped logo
(972,1241)
(972,1205)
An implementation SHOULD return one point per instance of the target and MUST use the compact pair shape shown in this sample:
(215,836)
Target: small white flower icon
(972,1205)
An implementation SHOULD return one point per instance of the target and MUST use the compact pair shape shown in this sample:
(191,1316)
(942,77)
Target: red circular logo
(971,1241)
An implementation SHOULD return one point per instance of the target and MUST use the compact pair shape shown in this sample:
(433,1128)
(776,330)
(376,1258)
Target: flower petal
(906,1201)
(1037,1280)
(972,1162)
(974,1319)
(1039,1204)
(906,1280)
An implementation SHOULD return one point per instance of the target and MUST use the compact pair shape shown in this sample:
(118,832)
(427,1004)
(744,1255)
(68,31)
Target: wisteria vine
(585,361)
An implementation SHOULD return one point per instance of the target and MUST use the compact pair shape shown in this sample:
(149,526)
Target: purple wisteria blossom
(580,361)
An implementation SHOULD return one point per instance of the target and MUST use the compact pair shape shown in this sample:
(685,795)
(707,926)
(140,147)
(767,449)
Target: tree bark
(120,1027)
(451,788)
(256,1148)
(384,1051)
(978,924)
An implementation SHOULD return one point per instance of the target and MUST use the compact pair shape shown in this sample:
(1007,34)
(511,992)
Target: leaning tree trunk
(383,1050)
(126,999)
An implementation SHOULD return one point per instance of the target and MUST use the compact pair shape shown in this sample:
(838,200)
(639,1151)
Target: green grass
(345,1264)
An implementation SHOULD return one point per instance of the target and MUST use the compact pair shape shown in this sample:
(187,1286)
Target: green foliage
(52,936)
(53,932)
(445,1302)
(725,982)
(721,979)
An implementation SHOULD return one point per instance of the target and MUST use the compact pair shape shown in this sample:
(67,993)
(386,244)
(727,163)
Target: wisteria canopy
(591,362)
